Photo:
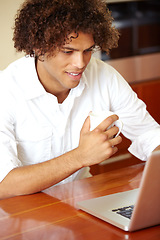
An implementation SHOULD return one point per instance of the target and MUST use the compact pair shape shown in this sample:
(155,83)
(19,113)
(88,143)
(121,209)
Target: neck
(49,85)
(62,96)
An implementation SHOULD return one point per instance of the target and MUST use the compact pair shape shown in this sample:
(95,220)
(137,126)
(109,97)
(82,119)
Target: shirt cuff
(143,146)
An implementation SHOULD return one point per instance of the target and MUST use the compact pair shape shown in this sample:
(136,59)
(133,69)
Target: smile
(74,74)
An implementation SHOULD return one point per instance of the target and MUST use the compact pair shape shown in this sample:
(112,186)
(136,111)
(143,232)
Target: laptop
(135,209)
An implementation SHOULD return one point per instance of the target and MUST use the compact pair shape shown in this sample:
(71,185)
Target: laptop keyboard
(124,211)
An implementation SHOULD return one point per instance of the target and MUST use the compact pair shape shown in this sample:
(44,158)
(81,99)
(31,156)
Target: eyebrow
(74,49)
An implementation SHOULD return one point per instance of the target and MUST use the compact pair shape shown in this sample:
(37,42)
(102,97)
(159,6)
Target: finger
(86,125)
(112,132)
(115,141)
(107,122)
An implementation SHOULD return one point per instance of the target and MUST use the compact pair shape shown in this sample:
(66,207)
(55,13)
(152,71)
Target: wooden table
(52,214)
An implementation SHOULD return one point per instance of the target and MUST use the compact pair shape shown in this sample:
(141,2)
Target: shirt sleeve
(8,146)
(8,156)
(139,126)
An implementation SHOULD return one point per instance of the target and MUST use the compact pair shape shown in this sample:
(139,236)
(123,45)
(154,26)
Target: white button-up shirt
(35,128)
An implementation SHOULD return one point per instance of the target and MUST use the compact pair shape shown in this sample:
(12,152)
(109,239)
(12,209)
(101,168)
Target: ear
(39,55)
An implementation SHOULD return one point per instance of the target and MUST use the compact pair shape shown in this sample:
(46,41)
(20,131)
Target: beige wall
(8,9)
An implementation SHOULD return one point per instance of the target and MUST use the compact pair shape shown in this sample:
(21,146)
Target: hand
(98,145)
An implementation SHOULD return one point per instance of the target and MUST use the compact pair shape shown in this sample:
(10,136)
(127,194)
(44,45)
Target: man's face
(63,71)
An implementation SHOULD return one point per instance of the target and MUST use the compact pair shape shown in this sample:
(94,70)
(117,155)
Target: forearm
(34,178)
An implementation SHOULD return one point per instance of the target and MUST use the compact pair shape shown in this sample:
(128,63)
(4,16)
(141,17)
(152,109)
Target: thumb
(86,126)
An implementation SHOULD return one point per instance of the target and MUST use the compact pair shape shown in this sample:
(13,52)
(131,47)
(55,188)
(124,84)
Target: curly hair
(44,25)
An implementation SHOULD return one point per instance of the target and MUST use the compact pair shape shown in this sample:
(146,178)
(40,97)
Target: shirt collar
(28,80)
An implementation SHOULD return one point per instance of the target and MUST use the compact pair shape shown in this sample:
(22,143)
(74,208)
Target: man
(45,98)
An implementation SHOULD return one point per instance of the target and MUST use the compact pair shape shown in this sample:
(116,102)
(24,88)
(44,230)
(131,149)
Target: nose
(79,60)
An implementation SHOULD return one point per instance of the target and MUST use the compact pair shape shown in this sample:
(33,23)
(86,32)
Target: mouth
(75,75)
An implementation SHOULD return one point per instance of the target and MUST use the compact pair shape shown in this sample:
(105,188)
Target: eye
(66,52)
(89,50)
